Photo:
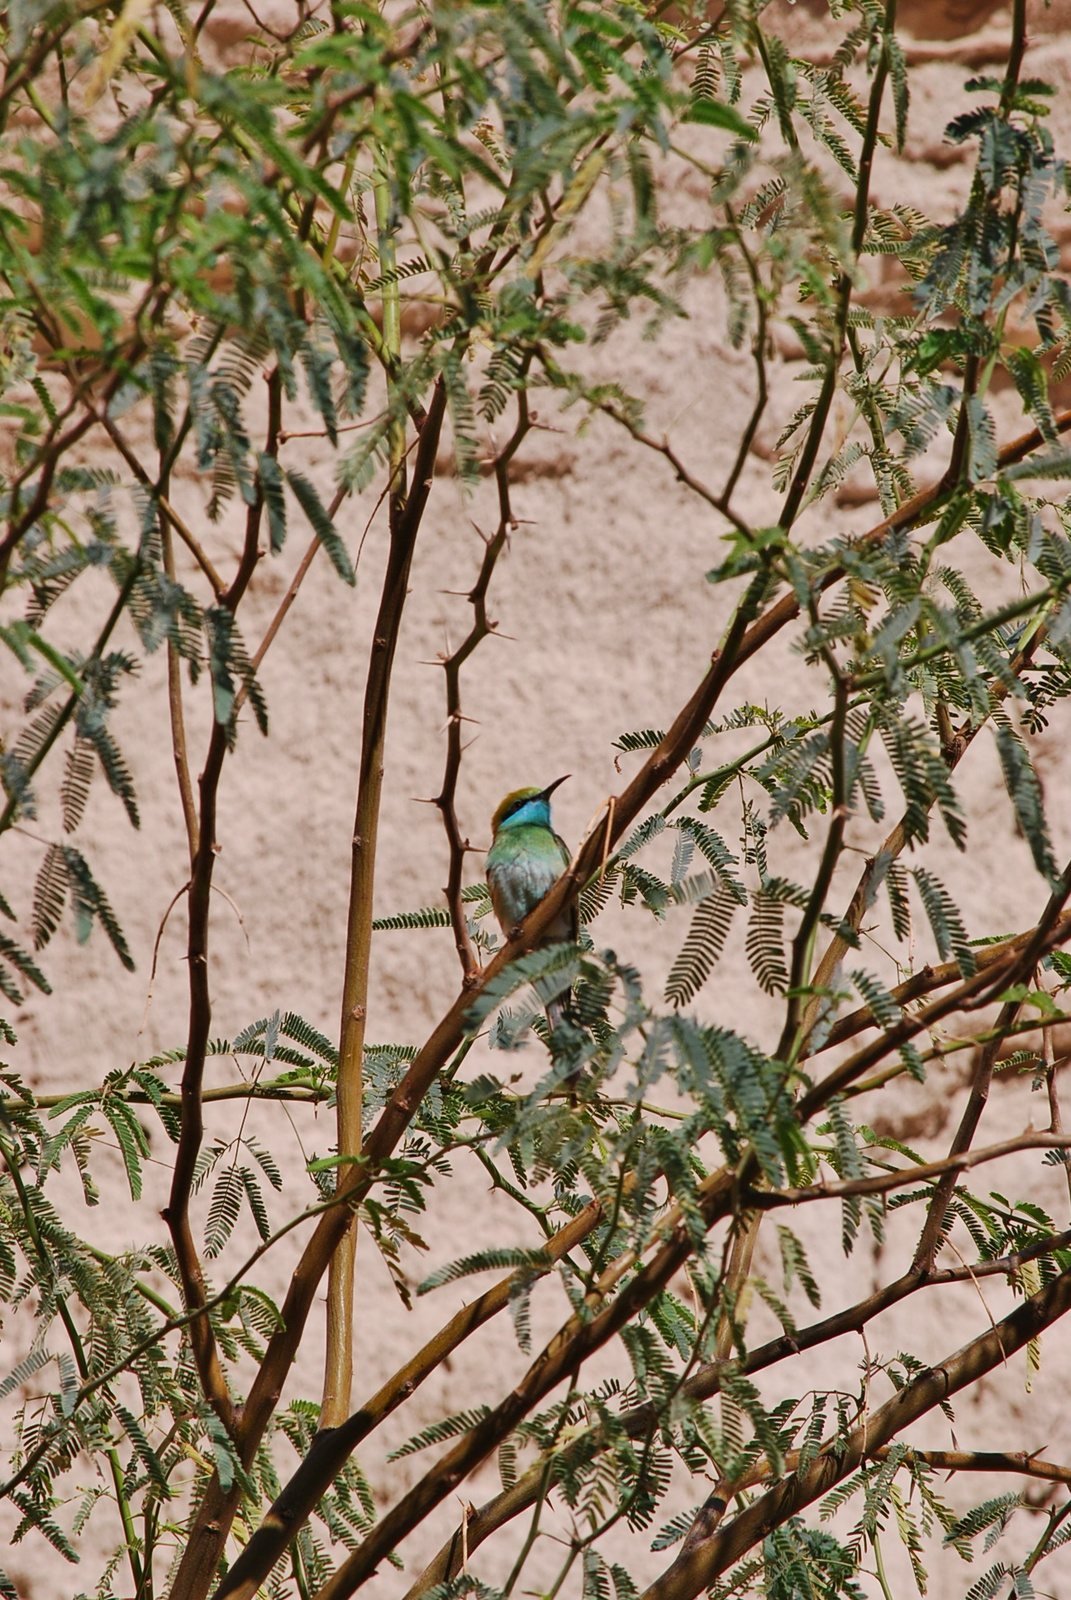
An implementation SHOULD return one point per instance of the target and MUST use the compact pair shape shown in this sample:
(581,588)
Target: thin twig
(175,898)
(446,799)
(758,346)
(934,1227)
(1050,1066)
(167,510)
(662,447)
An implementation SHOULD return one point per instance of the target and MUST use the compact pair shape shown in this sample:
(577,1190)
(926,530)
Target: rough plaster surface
(610,623)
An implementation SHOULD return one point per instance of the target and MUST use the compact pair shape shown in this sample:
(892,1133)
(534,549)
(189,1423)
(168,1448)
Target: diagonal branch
(930,978)
(331,1448)
(984,1461)
(934,1228)
(695,1570)
(884,1182)
(702,1385)
(574,1343)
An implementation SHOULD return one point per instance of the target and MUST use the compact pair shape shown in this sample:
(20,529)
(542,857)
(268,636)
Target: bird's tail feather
(558,1011)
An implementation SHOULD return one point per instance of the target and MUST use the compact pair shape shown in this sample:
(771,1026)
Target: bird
(526,858)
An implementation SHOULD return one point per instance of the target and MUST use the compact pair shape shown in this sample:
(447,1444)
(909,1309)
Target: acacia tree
(171,235)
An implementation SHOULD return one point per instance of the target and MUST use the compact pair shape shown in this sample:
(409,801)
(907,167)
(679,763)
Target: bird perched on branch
(526,858)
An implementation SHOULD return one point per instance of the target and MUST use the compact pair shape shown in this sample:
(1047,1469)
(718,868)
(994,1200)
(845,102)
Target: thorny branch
(447,797)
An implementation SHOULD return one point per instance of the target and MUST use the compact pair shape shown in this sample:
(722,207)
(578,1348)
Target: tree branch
(191,1131)
(933,1229)
(930,978)
(1051,930)
(696,1569)
(884,1182)
(983,1461)
(446,798)
(705,1383)
(331,1448)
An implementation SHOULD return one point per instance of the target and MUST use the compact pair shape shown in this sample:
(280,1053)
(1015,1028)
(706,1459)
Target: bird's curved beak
(549,790)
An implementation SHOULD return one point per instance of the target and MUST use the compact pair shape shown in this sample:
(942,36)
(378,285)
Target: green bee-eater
(526,858)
